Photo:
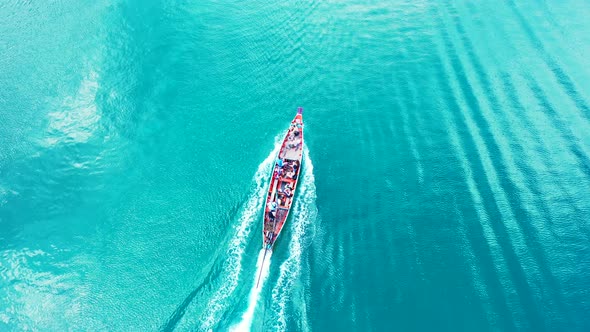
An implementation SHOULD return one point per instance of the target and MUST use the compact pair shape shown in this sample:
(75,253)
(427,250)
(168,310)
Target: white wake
(305,214)
(262,268)
(232,266)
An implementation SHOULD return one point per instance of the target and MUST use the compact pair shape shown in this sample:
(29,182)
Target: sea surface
(445,183)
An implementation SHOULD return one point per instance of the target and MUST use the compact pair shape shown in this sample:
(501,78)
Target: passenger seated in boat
(280,198)
(287,191)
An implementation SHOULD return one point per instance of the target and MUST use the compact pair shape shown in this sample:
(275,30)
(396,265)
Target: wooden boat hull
(283,182)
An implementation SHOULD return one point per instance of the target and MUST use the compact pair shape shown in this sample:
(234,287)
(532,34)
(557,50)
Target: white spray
(305,215)
(232,266)
(262,268)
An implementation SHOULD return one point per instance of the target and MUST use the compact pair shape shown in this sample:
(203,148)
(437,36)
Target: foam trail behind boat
(232,265)
(305,214)
(262,268)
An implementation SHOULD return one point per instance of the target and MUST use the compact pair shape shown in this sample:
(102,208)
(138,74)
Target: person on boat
(287,190)
(279,167)
(280,199)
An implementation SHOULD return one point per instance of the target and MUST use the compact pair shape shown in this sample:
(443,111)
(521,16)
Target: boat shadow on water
(177,315)
(214,272)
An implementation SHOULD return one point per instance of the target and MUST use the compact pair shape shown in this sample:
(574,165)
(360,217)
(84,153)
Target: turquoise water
(445,187)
